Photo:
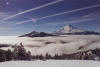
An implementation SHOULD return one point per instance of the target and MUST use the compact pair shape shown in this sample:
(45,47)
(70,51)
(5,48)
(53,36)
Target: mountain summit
(69,29)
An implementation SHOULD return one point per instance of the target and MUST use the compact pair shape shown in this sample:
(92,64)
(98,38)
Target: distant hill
(36,34)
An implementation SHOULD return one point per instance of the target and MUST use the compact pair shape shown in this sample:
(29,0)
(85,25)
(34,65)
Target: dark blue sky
(76,13)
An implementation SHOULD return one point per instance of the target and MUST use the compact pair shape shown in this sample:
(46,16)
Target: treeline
(85,55)
(20,53)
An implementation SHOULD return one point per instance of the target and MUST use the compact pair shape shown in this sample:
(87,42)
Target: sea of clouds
(53,45)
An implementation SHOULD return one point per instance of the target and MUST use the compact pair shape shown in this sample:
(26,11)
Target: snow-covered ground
(61,44)
(51,63)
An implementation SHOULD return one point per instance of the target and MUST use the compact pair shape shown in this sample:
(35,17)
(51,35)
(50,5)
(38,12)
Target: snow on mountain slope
(51,63)
(69,29)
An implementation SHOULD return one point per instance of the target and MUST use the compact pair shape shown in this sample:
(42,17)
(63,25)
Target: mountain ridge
(66,30)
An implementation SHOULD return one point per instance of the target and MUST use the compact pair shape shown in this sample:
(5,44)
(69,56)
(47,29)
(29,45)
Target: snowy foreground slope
(52,45)
(51,63)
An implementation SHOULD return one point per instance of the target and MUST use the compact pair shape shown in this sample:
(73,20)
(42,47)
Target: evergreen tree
(21,52)
(9,55)
(15,52)
(29,56)
(2,56)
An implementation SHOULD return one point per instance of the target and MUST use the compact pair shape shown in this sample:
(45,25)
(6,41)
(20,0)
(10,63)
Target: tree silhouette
(9,55)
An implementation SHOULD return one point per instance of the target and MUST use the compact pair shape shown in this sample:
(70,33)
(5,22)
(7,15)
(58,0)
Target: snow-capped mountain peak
(69,29)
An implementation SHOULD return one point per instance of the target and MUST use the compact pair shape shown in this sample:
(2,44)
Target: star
(7,3)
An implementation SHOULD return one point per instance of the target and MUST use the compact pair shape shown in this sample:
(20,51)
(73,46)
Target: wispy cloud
(33,9)
(3,15)
(62,13)
(66,22)
(95,14)
(85,18)
(71,11)
(4,26)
